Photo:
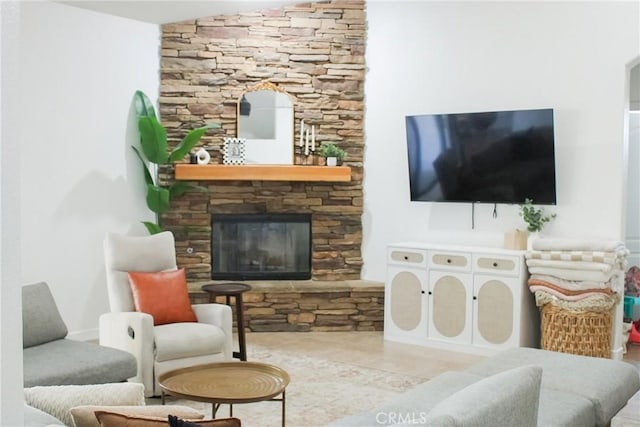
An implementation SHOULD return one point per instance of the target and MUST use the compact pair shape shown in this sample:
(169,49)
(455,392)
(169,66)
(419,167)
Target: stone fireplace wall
(316,53)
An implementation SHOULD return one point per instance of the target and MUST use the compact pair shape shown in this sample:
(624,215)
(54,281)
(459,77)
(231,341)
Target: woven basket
(586,333)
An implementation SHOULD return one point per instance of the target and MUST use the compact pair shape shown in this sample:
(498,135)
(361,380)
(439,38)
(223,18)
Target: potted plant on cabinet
(332,152)
(154,152)
(535,219)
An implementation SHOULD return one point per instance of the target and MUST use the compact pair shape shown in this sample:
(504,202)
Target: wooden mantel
(189,172)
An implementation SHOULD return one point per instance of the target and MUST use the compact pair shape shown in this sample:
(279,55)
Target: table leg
(230,409)
(240,327)
(214,409)
(283,408)
(162,396)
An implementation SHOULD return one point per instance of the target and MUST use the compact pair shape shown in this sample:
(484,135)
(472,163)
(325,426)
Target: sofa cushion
(179,340)
(64,362)
(163,295)
(562,409)
(57,400)
(413,405)
(41,320)
(84,416)
(509,398)
(608,384)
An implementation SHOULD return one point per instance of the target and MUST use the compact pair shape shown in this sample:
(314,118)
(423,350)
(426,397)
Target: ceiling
(162,12)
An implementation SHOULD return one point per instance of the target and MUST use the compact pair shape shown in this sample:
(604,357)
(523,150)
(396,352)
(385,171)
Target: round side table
(235,290)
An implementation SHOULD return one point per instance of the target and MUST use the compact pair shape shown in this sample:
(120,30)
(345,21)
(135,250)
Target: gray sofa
(51,359)
(516,388)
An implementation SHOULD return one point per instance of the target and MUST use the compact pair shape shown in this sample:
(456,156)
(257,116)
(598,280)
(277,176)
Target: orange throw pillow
(163,295)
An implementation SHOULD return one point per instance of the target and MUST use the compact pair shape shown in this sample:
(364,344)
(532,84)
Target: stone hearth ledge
(307,305)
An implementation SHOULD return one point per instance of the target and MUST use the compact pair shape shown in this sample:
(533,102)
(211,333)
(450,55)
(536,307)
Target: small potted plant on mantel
(332,152)
(535,219)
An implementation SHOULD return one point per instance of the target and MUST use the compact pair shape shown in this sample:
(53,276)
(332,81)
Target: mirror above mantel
(265,119)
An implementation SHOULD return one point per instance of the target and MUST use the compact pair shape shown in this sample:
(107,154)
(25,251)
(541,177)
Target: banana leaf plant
(154,152)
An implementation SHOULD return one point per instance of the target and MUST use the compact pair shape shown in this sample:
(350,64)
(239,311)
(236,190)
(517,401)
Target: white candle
(306,145)
(313,138)
(301,131)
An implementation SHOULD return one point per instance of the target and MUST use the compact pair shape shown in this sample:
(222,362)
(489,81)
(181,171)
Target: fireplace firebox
(261,246)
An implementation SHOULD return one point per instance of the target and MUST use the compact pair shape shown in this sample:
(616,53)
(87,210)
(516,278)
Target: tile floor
(369,349)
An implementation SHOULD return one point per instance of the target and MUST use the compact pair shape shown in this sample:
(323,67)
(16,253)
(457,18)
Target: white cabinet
(459,298)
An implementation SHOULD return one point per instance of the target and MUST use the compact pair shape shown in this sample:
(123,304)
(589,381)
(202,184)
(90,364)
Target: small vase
(332,161)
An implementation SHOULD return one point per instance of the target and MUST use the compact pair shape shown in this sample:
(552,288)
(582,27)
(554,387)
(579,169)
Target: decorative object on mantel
(203,156)
(233,151)
(332,152)
(535,219)
(306,145)
(154,150)
(265,119)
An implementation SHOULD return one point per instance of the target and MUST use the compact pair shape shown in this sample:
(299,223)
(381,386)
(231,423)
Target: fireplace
(261,246)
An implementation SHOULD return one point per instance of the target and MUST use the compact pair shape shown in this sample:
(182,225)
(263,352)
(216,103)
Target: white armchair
(160,348)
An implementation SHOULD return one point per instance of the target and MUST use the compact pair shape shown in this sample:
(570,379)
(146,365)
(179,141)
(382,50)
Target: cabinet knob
(495,264)
(406,258)
(475,297)
(429,292)
(448,261)
(422,292)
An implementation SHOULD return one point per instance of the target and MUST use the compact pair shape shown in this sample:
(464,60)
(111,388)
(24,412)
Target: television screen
(492,157)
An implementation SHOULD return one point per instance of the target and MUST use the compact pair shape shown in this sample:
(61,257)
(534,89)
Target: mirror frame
(269,86)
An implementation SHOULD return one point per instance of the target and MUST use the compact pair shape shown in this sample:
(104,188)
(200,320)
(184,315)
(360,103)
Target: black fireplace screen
(261,247)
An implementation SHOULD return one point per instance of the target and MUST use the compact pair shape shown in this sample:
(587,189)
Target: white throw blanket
(577,275)
(613,258)
(564,244)
(571,265)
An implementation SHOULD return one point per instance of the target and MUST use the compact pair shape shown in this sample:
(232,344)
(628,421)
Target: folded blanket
(568,292)
(613,258)
(573,285)
(565,244)
(570,265)
(562,296)
(596,303)
(577,275)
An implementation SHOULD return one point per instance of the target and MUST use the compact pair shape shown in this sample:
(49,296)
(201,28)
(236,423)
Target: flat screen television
(490,157)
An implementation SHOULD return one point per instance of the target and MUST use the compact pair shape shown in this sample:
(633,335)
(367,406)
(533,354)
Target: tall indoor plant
(154,152)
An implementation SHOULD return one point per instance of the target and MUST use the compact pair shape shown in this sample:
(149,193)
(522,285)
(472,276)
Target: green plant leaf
(144,107)
(152,227)
(180,187)
(148,179)
(153,139)
(158,199)
(190,141)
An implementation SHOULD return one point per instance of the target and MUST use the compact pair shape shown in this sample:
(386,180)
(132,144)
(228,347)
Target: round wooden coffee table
(227,382)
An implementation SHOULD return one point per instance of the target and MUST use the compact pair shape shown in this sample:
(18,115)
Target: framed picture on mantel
(234,151)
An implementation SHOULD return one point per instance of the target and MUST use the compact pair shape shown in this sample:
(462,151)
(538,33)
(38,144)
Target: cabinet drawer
(414,257)
(502,264)
(450,260)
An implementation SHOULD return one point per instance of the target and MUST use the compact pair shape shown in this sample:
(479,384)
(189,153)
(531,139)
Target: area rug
(320,391)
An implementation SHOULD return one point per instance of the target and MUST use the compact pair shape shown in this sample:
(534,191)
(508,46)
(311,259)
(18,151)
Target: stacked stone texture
(316,53)
(341,308)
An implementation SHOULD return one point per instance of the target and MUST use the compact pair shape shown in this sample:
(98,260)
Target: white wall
(11,396)
(431,57)
(80,178)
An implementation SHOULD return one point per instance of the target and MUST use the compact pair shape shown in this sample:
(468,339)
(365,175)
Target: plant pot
(332,161)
